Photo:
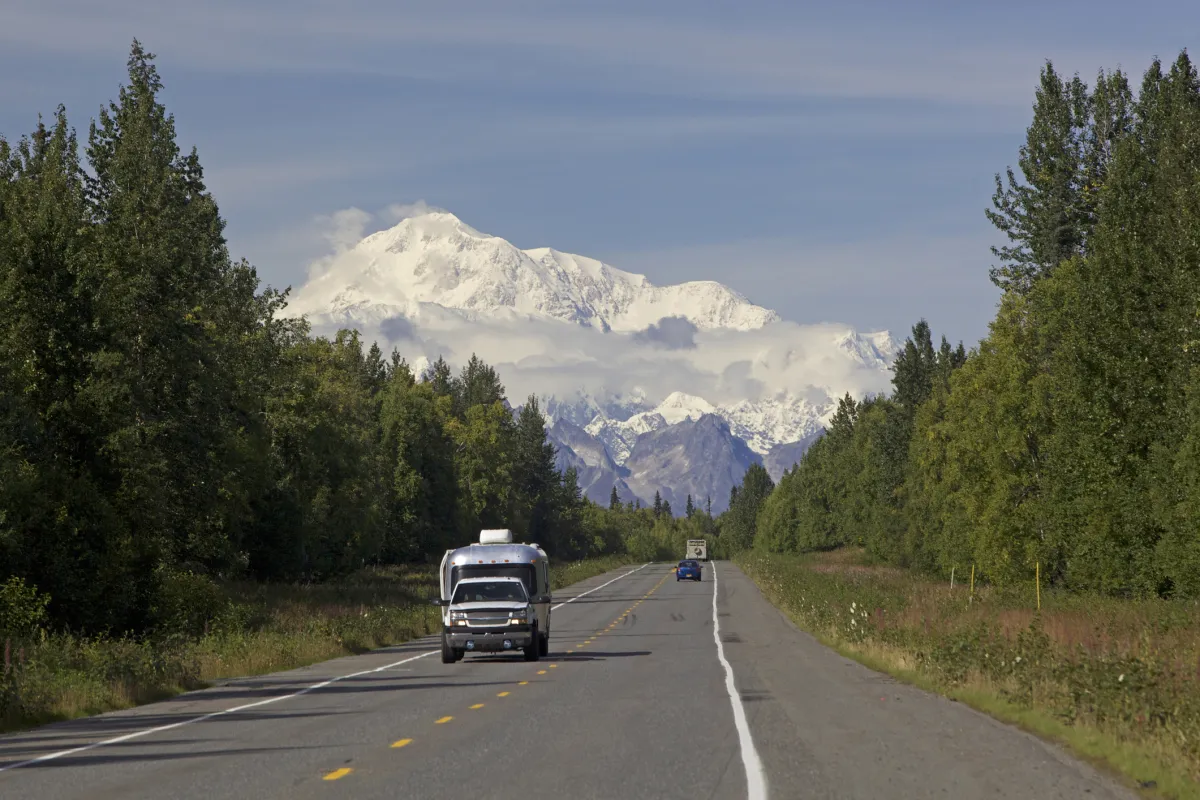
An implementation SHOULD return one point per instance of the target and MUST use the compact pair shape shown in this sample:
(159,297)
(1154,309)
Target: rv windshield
(523,571)
(486,592)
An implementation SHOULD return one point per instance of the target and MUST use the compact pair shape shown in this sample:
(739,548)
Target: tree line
(163,425)
(1069,439)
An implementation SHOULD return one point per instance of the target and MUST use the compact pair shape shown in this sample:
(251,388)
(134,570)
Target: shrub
(22,608)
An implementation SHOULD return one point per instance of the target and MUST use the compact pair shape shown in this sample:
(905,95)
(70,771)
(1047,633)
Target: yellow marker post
(402,743)
(972,580)
(338,773)
(1037,583)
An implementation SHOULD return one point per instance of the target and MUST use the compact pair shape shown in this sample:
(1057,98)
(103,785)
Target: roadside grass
(261,628)
(1116,681)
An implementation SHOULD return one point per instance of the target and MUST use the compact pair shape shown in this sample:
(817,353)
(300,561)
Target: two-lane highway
(654,688)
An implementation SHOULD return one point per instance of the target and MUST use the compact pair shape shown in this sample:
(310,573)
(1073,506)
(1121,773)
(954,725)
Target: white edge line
(268,701)
(756,779)
(601,586)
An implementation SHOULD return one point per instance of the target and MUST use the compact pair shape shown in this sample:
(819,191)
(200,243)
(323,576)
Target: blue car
(688,569)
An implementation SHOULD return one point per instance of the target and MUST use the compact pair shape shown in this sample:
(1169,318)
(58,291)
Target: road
(633,702)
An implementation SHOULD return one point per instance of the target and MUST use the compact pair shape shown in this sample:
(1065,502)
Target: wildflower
(1121,679)
(1017,660)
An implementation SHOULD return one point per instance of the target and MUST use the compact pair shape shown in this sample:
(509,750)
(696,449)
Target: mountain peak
(435,259)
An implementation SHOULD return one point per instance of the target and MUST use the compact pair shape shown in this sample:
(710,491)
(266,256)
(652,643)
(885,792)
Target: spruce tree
(1045,215)
(691,509)
(658,504)
(614,501)
(439,377)
(534,472)
(172,311)
(914,368)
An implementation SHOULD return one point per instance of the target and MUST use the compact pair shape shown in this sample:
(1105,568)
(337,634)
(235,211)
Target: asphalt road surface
(652,690)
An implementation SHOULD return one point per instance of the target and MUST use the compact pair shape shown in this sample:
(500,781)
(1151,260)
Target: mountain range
(673,389)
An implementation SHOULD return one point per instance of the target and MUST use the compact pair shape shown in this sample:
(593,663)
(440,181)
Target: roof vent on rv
(498,536)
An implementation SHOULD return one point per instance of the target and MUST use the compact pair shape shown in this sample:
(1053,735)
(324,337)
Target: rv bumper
(491,640)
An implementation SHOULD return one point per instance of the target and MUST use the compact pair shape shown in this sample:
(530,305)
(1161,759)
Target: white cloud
(552,357)
(401,211)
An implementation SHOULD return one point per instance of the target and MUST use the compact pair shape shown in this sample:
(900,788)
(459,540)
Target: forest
(166,428)
(1066,446)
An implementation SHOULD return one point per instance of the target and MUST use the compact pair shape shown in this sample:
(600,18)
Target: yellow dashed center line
(541,672)
(552,666)
(443,720)
(338,773)
(523,683)
(402,743)
(502,694)
(477,705)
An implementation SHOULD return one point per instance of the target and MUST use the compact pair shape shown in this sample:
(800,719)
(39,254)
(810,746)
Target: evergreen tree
(535,474)
(374,369)
(691,509)
(915,368)
(439,377)
(741,521)
(478,385)
(614,502)
(666,509)
(658,504)
(1044,217)
(171,311)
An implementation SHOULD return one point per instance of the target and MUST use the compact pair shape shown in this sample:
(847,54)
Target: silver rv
(495,556)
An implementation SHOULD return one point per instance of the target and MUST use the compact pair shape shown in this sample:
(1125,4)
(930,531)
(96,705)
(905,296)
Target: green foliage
(22,608)
(185,603)
(739,522)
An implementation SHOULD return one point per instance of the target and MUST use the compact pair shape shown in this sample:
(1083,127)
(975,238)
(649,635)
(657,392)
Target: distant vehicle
(688,569)
(489,615)
(495,556)
(697,549)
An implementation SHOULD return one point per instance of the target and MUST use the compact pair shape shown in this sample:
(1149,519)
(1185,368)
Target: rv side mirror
(437,601)
(542,598)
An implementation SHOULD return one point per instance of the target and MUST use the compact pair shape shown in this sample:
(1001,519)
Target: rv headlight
(458,615)
(521,615)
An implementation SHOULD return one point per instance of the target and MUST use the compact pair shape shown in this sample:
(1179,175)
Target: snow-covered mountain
(761,424)
(436,258)
(625,370)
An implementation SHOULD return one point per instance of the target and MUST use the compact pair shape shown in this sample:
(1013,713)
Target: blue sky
(832,162)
